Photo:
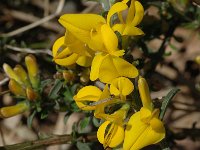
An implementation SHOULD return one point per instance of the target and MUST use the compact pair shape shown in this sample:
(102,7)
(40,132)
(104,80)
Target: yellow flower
(107,67)
(110,134)
(10,111)
(89,95)
(121,87)
(144,127)
(68,50)
(134,17)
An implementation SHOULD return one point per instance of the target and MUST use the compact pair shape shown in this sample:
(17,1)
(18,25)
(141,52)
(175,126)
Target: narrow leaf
(167,100)
(55,89)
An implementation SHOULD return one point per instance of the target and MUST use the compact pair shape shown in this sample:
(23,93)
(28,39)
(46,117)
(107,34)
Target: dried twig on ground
(28,50)
(37,23)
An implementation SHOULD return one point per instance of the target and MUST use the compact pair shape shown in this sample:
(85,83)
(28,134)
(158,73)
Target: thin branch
(4,81)
(53,140)
(28,50)
(37,23)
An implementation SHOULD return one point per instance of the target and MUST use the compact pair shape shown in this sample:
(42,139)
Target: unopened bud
(31,94)
(16,88)
(21,73)
(68,76)
(32,68)
(10,111)
(11,74)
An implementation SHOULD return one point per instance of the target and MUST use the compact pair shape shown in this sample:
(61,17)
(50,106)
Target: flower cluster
(22,84)
(91,40)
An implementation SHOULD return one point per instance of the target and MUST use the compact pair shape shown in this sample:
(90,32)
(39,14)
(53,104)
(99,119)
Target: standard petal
(79,28)
(107,70)
(124,68)
(117,7)
(109,35)
(96,63)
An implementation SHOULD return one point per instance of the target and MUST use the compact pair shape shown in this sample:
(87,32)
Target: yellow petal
(131,31)
(16,88)
(117,7)
(109,35)
(108,70)
(11,74)
(131,12)
(90,93)
(119,28)
(145,115)
(133,131)
(113,137)
(84,61)
(125,68)
(139,13)
(157,125)
(139,134)
(69,60)
(80,25)
(96,63)
(144,93)
(123,85)
(57,45)
(10,111)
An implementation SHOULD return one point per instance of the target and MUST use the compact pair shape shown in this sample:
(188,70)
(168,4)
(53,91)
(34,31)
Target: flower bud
(10,111)
(31,94)
(11,74)
(32,68)
(16,88)
(21,73)
(68,76)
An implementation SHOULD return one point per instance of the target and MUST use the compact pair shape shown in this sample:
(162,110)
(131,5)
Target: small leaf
(167,100)
(84,123)
(96,122)
(44,115)
(45,83)
(30,119)
(55,89)
(82,146)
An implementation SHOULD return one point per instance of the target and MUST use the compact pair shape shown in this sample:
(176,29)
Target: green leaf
(167,100)
(44,115)
(68,94)
(84,123)
(55,89)
(96,122)
(45,83)
(82,146)
(30,119)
